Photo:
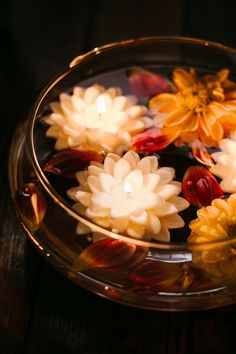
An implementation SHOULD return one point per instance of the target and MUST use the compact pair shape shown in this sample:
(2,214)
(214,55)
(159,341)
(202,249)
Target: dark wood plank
(72,320)
(33,54)
(19,271)
(213,331)
(19,262)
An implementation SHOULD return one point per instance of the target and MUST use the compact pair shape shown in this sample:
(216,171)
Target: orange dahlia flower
(201,108)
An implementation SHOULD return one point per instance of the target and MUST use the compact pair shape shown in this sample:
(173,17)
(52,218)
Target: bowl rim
(175,246)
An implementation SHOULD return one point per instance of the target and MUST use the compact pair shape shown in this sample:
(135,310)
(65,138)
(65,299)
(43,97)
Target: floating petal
(201,154)
(150,140)
(200,187)
(146,83)
(109,254)
(67,162)
(151,277)
(31,205)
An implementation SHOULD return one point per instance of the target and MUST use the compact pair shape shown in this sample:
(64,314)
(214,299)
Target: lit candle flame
(101,105)
(128,188)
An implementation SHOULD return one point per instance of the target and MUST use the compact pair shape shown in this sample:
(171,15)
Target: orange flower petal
(217,131)
(191,122)
(183,78)
(222,75)
(201,154)
(205,139)
(188,137)
(176,117)
(229,121)
(163,103)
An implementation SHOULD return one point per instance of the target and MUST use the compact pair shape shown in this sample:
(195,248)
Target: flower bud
(200,187)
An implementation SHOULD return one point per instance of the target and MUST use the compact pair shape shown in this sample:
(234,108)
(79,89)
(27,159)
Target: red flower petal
(200,187)
(31,205)
(151,277)
(67,162)
(146,83)
(109,254)
(201,154)
(150,140)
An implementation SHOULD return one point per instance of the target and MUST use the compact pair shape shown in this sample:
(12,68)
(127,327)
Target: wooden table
(40,310)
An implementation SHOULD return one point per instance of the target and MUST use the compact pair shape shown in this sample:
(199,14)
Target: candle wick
(101,106)
(128,188)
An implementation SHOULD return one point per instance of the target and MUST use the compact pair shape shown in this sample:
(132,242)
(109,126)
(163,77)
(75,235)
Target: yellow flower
(215,223)
(202,108)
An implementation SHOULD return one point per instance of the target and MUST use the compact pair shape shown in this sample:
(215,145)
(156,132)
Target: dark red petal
(200,187)
(66,163)
(201,154)
(146,83)
(195,279)
(150,140)
(151,277)
(31,205)
(109,254)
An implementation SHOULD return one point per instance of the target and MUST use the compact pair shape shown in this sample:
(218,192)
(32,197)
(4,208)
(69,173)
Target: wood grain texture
(40,310)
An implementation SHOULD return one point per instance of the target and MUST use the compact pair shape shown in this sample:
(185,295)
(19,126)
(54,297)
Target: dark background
(41,311)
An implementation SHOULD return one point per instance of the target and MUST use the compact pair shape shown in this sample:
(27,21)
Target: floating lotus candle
(130,195)
(225,166)
(96,118)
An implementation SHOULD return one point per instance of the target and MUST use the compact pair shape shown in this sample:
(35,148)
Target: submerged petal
(146,83)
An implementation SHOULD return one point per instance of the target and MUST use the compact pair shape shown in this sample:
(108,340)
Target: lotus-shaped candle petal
(130,195)
(96,118)
(225,166)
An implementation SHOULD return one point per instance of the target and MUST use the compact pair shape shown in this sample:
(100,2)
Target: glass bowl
(144,273)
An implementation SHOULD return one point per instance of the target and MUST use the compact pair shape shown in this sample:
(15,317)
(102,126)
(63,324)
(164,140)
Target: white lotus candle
(96,118)
(225,166)
(130,195)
